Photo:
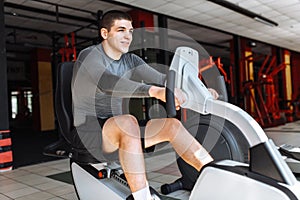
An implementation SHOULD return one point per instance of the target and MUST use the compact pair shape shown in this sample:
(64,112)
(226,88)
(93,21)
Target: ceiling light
(245,12)
(261,20)
(252,44)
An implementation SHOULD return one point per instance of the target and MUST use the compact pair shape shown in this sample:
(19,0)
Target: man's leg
(123,133)
(185,145)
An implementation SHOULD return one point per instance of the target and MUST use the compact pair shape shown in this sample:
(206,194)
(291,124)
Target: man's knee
(173,127)
(162,129)
(173,124)
(127,125)
(119,130)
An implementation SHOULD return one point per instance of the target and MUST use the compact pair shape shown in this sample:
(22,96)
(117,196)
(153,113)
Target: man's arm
(180,98)
(121,87)
(144,72)
(160,93)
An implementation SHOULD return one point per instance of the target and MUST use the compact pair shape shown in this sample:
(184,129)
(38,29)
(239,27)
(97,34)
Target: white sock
(142,194)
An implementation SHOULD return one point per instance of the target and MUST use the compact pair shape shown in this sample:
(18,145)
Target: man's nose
(128,35)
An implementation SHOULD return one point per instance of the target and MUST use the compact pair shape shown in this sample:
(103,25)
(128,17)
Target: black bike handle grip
(170,98)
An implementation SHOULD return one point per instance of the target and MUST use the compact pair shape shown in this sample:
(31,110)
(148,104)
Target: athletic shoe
(154,194)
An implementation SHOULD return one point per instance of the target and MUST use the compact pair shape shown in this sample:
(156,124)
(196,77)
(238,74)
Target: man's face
(119,37)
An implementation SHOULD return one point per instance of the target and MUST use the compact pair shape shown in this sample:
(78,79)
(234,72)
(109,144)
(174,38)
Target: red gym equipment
(261,95)
(68,50)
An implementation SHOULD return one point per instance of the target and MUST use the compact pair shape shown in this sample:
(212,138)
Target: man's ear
(104,33)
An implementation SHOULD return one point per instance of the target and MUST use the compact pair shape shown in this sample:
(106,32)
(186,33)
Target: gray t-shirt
(100,83)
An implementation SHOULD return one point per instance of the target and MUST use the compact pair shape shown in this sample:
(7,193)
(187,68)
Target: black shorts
(90,134)
(142,124)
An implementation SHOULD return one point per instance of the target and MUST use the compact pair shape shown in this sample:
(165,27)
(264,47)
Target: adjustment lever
(290,151)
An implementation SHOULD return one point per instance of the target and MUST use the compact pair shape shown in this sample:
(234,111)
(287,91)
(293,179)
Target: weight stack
(6,157)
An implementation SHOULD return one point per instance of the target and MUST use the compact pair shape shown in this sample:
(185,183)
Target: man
(106,73)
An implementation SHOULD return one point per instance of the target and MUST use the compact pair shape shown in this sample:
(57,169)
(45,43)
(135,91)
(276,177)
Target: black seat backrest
(63,100)
(64,114)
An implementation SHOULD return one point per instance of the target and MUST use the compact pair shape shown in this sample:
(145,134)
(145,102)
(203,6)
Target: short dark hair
(108,19)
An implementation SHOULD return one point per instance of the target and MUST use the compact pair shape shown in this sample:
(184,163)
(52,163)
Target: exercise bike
(266,176)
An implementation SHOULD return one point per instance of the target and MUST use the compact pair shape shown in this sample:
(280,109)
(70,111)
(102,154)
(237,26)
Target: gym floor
(51,180)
